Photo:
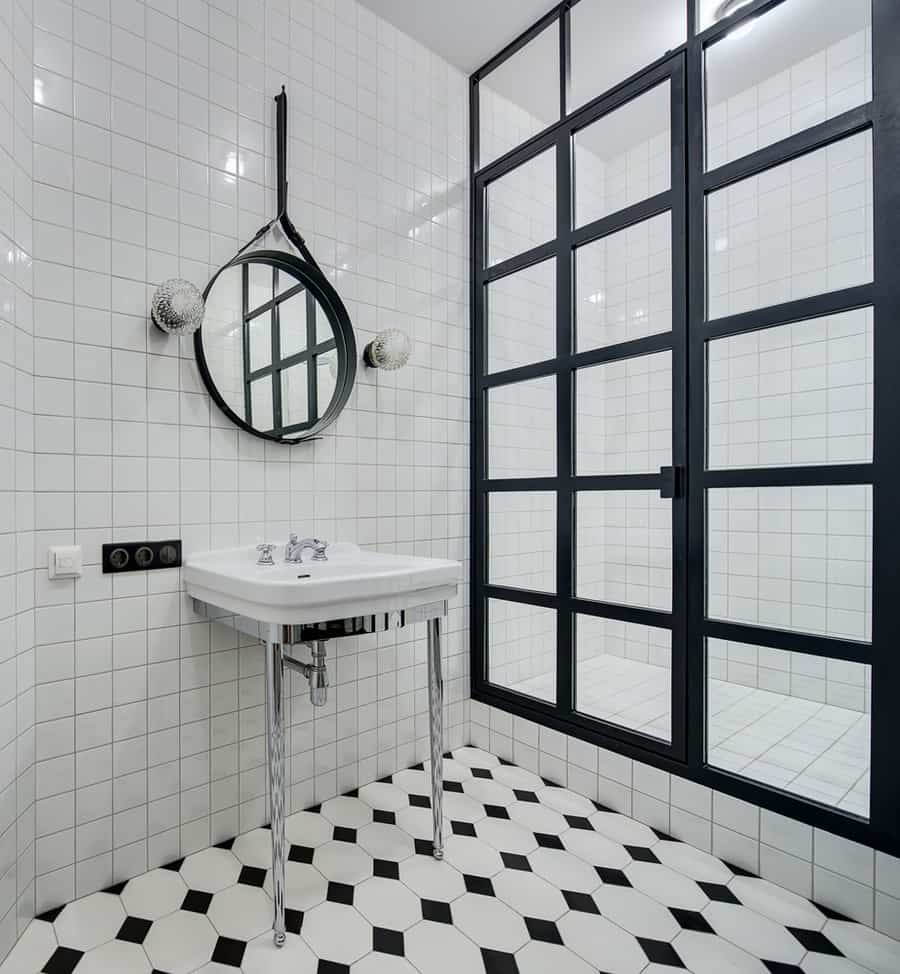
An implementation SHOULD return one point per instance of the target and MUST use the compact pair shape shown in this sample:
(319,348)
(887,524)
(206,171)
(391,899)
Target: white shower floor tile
(536,879)
(814,749)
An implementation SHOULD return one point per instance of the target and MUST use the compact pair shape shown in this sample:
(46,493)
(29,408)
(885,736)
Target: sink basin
(352,582)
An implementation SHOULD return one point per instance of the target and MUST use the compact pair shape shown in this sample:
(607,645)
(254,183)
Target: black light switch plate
(141,556)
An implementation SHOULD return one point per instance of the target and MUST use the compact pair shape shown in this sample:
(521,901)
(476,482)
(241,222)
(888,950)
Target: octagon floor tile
(462,808)
(432,880)
(437,948)
(506,836)
(622,829)
(777,903)
(754,933)
(602,944)
(566,802)
(308,829)
(241,912)
(263,957)
(638,914)
(596,849)
(154,895)
(387,903)
(529,895)
(337,932)
(695,863)
(343,862)
(474,757)
(705,954)
(254,848)
(537,818)
(864,945)
(418,822)
(115,957)
(380,794)
(33,949)
(305,886)
(666,886)
(386,841)
(89,922)
(563,870)
(489,922)
(180,942)
(488,791)
(472,856)
(211,870)
(539,958)
(350,813)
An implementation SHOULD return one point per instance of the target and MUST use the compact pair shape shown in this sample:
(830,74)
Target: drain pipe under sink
(315,672)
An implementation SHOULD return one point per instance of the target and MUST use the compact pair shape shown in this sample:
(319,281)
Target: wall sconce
(389,350)
(177,307)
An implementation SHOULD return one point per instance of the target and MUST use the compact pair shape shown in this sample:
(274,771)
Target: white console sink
(352,582)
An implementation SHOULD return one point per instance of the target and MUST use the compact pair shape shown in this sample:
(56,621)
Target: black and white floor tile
(536,879)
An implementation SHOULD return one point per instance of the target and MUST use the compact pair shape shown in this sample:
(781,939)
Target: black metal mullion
(885,782)
(312,386)
(620,612)
(277,417)
(622,219)
(825,475)
(512,265)
(565,436)
(788,640)
(245,342)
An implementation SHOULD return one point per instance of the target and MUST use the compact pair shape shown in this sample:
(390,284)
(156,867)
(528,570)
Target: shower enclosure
(685,234)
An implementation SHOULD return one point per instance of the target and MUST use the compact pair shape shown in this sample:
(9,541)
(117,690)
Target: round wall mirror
(276,349)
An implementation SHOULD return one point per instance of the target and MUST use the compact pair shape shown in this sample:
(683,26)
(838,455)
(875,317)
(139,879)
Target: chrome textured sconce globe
(389,350)
(177,307)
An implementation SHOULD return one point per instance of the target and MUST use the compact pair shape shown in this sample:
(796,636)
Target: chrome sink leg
(436,715)
(275,717)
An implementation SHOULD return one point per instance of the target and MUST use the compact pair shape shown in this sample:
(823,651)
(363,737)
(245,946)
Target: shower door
(580,419)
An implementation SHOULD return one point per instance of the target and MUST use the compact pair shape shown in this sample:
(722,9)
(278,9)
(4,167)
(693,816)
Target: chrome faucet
(265,554)
(293,550)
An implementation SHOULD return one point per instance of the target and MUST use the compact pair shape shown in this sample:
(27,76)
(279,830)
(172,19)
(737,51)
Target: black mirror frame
(345,341)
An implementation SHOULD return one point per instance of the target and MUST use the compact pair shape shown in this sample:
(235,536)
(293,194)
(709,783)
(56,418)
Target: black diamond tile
(663,835)
(551,784)
(660,952)
(252,876)
(174,865)
(227,844)
(332,967)
(640,853)
(420,801)
(831,914)
(196,902)
(497,962)
(315,809)
(447,755)
(436,911)
(525,796)
(301,853)
(602,808)
(343,834)
(545,930)
(815,941)
(386,869)
(479,884)
(424,847)
(387,941)
(513,860)
(691,920)
(385,818)
(386,780)
(548,841)
(718,893)
(48,916)
(580,902)
(455,786)
(293,921)
(62,961)
(463,828)
(738,870)
(354,792)
(418,767)
(481,773)
(612,877)
(496,811)
(228,952)
(116,888)
(340,893)
(579,822)
(134,930)
(777,967)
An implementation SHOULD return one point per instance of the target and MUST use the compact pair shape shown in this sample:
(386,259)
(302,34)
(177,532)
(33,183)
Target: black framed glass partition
(684,336)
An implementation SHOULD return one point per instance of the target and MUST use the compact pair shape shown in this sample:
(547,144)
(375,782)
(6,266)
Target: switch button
(64,561)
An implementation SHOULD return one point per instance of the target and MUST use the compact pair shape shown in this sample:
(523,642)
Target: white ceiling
(464,32)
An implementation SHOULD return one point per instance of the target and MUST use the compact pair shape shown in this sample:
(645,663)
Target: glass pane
(326,378)
(623,418)
(796,722)
(623,285)
(522,648)
(624,674)
(223,338)
(612,40)
(521,317)
(521,208)
(294,395)
(324,331)
(624,548)
(794,394)
(292,324)
(801,63)
(796,558)
(801,228)
(522,540)
(522,429)
(259,285)
(260,330)
(623,157)
(261,403)
(519,98)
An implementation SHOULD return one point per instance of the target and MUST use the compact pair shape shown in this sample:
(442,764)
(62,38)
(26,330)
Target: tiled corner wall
(848,877)
(153,157)
(17,818)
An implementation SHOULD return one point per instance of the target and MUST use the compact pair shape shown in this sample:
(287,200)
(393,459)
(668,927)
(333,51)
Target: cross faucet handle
(265,554)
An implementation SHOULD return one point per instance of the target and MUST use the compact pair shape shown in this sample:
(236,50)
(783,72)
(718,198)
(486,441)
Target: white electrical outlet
(64,561)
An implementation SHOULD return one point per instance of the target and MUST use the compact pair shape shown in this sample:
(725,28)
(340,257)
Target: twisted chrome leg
(275,747)
(436,715)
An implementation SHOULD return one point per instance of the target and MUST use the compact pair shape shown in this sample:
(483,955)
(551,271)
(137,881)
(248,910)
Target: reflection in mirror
(273,348)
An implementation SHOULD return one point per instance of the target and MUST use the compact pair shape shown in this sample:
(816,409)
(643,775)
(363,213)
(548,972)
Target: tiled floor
(814,749)
(537,880)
